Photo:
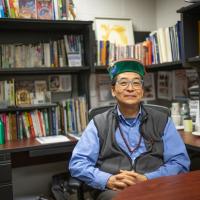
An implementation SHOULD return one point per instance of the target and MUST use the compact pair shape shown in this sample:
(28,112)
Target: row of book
(38,9)
(107,52)
(65,52)
(20,125)
(162,45)
(72,115)
(69,116)
(166,45)
(7,93)
(19,92)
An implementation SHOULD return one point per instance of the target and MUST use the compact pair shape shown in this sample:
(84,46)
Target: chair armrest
(75,183)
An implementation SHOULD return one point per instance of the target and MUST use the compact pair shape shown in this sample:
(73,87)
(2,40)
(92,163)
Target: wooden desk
(179,187)
(191,141)
(31,152)
(28,152)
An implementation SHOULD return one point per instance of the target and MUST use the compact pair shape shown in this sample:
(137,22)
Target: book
(46,121)
(74,49)
(45,9)
(40,90)
(52,139)
(27,9)
(1,9)
(13,8)
(32,130)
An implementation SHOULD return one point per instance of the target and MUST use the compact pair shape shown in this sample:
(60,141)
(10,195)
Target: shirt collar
(123,119)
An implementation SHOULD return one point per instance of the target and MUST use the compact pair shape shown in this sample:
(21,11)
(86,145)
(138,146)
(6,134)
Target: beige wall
(141,12)
(166,12)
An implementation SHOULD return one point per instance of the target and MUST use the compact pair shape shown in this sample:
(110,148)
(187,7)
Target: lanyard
(127,143)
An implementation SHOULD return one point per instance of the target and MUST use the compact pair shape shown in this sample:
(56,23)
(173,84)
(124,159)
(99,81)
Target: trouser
(107,195)
(104,195)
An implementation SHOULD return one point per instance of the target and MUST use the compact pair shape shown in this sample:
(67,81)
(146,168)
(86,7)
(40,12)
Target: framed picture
(149,87)
(180,84)
(117,31)
(103,86)
(23,97)
(40,86)
(60,83)
(164,85)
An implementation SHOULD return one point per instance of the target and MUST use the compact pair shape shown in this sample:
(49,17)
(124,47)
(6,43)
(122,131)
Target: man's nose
(130,86)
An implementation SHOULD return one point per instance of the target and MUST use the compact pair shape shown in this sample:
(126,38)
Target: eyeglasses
(136,83)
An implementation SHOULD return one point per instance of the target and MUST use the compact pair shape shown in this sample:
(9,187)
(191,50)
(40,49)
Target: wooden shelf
(151,68)
(194,59)
(26,108)
(42,70)
(101,69)
(42,25)
(165,66)
(193,8)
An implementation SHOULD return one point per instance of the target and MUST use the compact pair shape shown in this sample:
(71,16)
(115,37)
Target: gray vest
(112,158)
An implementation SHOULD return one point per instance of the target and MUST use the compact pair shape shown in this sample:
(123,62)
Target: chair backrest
(159,108)
(97,110)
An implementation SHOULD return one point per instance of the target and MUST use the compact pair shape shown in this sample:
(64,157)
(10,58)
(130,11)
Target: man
(129,143)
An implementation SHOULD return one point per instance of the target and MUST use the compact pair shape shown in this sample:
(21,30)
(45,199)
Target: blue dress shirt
(85,154)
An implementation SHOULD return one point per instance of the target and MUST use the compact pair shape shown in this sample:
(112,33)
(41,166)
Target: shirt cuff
(152,175)
(101,180)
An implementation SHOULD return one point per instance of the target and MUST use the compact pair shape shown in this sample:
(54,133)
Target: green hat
(126,65)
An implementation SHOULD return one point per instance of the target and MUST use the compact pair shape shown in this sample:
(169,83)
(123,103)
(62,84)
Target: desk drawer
(6,192)
(5,172)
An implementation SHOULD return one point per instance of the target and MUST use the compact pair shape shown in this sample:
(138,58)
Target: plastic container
(187,123)
(185,112)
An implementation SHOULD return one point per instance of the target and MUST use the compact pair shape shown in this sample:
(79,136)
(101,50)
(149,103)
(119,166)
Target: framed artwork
(180,84)
(149,87)
(60,83)
(103,87)
(164,85)
(23,97)
(117,31)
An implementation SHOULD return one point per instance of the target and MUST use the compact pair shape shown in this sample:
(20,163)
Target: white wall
(141,12)
(146,15)
(166,12)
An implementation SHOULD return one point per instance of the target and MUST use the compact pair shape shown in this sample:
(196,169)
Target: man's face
(128,89)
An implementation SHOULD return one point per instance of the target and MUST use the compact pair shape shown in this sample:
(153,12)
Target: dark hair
(113,81)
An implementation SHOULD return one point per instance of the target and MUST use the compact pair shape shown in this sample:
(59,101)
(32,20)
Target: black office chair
(76,184)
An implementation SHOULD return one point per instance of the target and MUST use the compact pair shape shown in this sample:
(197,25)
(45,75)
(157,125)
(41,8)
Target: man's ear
(142,92)
(113,91)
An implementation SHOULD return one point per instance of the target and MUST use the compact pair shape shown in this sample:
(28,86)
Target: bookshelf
(190,18)
(45,71)
(140,36)
(164,66)
(31,31)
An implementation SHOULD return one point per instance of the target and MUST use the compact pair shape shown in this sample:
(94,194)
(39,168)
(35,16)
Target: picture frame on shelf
(149,87)
(180,85)
(23,97)
(60,83)
(164,85)
(40,86)
(115,30)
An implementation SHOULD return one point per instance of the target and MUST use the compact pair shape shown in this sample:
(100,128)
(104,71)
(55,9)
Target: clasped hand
(124,179)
